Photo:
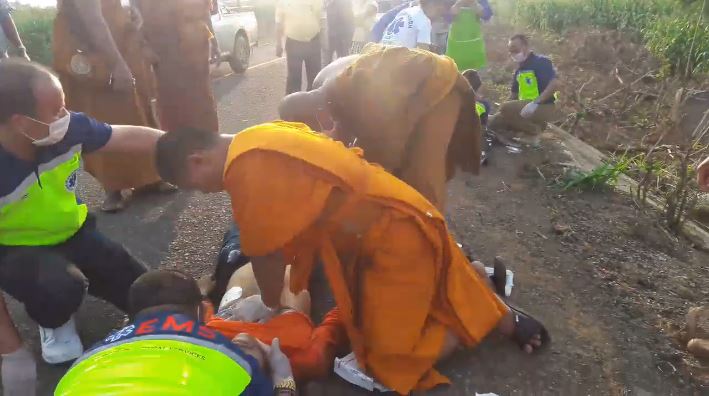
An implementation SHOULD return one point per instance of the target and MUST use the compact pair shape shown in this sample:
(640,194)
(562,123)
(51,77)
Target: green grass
(674,30)
(35,26)
(601,177)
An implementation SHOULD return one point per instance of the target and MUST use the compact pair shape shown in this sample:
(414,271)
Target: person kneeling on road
(166,350)
(50,250)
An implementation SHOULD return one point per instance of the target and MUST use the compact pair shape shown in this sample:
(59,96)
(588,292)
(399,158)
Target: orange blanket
(399,279)
(311,350)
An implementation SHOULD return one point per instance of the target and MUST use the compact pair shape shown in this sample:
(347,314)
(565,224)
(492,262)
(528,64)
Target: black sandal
(526,327)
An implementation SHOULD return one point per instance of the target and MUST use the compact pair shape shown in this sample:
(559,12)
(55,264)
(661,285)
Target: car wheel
(241,54)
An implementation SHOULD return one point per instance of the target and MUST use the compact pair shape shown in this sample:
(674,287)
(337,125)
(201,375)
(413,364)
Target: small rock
(561,229)
(699,348)
(698,323)
(646,283)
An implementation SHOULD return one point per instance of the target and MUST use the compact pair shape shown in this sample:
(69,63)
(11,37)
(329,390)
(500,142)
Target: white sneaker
(62,344)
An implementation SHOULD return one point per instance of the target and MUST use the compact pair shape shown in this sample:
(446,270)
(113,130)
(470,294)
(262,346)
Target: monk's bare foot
(113,202)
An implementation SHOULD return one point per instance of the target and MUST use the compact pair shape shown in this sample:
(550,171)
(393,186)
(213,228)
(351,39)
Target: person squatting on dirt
(406,302)
(51,253)
(410,110)
(167,350)
(532,101)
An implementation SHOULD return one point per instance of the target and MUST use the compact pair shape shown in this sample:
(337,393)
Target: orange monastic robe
(91,93)
(399,279)
(178,33)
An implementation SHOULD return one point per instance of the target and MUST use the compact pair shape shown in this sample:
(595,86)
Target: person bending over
(299,198)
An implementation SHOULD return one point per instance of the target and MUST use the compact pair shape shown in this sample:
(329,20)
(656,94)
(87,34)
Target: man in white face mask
(531,104)
(51,253)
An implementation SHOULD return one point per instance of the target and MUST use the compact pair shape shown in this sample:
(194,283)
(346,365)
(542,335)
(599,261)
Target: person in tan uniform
(105,68)
(180,33)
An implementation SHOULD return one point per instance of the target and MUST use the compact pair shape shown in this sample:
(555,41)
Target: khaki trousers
(509,118)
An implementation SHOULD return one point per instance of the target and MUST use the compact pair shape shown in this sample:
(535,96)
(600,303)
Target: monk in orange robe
(102,62)
(406,292)
(180,33)
(410,110)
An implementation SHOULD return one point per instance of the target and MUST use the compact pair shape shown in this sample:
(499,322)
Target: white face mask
(57,131)
(518,57)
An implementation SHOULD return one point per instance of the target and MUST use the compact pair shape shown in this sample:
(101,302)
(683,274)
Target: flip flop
(526,327)
(499,276)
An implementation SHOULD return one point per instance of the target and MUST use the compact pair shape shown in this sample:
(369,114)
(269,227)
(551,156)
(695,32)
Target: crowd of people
(351,178)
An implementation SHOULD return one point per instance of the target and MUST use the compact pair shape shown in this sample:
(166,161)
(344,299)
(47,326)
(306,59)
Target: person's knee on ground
(55,290)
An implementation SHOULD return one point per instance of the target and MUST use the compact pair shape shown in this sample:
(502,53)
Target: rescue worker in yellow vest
(532,101)
(167,350)
(51,253)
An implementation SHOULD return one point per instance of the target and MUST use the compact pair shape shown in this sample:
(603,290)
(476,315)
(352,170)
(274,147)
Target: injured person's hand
(250,309)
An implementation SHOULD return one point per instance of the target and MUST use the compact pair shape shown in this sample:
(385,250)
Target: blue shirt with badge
(38,202)
(535,66)
(166,326)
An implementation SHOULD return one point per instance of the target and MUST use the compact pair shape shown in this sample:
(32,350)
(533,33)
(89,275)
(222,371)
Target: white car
(236,30)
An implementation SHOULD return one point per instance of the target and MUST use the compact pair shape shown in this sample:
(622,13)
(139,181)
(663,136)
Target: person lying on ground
(299,197)
(19,369)
(532,101)
(703,175)
(167,350)
(51,252)
(311,349)
(411,112)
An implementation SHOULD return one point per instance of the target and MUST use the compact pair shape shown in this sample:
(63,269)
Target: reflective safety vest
(528,86)
(167,355)
(43,209)
(479,108)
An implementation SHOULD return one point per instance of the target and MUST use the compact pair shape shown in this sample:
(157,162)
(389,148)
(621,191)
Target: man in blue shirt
(531,104)
(51,252)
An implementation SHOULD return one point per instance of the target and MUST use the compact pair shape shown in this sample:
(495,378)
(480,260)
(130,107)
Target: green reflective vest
(165,367)
(480,108)
(528,86)
(47,212)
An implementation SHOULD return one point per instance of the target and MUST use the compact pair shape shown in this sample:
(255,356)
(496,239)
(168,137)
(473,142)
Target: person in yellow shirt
(406,292)
(298,23)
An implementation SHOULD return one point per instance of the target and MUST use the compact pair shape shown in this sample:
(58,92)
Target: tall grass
(674,30)
(35,28)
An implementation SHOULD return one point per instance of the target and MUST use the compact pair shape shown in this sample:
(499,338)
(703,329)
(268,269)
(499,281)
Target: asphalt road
(180,230)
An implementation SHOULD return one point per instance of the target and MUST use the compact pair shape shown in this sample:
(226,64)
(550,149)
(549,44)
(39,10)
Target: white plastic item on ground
(486,394)
(232,294)
(349,370)
(509,281)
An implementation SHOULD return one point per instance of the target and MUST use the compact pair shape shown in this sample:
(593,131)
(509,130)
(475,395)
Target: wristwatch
(286,384)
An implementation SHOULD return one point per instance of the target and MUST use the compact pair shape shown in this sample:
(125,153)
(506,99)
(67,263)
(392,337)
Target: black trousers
(297,54)
(338,43)
(51,281)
